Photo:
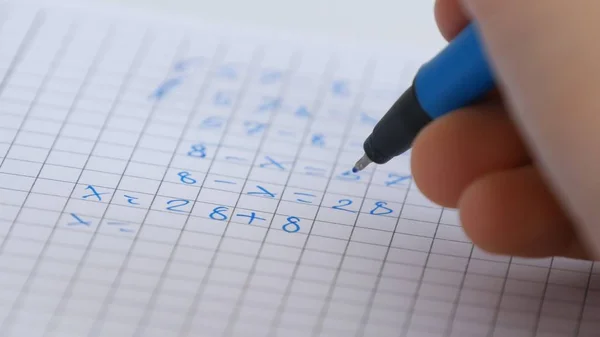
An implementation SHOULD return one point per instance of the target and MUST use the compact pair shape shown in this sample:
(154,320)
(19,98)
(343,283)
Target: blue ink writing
(94,193)
(176,204)
(212,122)
(197,150)
(381,205)
(183,65)
(80,221)
(263,192)
(185,178)
(269,104)
(318,139)
(302,111)
(223,99)
(344,203)
(131,200)
(254,127)
(165,88)
(349,175)
(234,158)
(396,179)
(304,195)
(273,162)
(217,213)
(251,217)
(340,88)
(227,71)
(270,76)
(292,225)
(315,171)
(117,223)
(366,119)
(225,182)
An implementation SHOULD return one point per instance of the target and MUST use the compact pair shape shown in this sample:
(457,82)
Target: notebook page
(160,179)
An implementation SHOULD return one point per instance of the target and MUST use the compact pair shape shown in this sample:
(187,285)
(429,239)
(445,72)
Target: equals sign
(306,195)
(123,230)
(315,171)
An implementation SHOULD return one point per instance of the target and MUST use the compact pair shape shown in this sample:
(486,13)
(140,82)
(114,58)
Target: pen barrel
(456,77)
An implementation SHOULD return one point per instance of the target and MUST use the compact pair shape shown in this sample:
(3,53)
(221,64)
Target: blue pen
(456,77)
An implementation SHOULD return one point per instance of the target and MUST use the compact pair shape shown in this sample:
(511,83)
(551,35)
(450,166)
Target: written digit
(197,150)
(380,209)
(217,213)
(344,203)
(185,178)
(395,179)
(177,203)
(292,225)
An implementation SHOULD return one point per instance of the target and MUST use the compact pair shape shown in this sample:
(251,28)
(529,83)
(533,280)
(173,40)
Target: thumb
(546,57)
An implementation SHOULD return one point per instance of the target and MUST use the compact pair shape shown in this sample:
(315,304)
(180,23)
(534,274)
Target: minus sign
(235,158)
(225,182)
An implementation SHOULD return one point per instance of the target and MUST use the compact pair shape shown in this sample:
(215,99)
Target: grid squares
(224,205)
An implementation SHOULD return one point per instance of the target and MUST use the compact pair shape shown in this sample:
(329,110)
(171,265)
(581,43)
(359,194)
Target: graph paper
(165,179)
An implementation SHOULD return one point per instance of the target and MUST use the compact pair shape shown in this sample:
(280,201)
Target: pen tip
(361,164)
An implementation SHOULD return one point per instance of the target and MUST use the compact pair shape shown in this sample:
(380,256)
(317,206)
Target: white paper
(166,179)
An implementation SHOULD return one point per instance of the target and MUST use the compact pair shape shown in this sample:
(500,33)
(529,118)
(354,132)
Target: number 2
(178,203)
(343,203)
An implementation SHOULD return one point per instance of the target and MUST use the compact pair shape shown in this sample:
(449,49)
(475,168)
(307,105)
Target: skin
(522,165)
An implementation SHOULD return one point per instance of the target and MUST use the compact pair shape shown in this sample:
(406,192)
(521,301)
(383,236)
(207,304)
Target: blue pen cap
(456,77)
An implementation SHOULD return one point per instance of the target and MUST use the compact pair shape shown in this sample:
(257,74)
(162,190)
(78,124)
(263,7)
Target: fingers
(512,212)
(545,55)
(457,149)
(450,18)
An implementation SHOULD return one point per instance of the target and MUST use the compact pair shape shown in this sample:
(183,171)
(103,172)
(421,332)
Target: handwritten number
(292,225)
(177,203)
(185,178)
(217,213)
(395,179)
(380,205)
(264,191)
(197,150)
(343,203)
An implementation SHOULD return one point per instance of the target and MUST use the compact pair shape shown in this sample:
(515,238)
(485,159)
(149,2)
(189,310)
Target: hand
(523,167)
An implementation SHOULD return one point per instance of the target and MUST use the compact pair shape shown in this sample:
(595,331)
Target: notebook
(160,178)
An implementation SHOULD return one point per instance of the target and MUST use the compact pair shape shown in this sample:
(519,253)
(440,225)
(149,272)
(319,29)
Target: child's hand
(526,180)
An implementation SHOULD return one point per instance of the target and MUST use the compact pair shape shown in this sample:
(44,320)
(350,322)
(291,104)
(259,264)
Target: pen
(454,78)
